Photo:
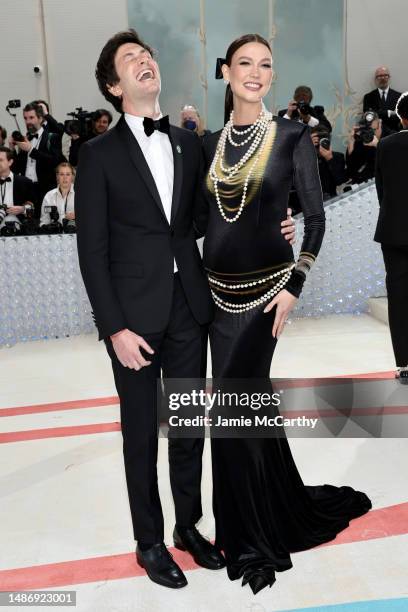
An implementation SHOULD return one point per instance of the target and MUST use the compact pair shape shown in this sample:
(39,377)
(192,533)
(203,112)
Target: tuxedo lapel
(139,161)
(178,172)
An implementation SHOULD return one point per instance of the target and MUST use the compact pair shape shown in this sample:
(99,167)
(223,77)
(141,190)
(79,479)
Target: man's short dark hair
(102,112)
(9,153)
(3,132)
(402,107)
(34,107)
(303,89)
(105,68)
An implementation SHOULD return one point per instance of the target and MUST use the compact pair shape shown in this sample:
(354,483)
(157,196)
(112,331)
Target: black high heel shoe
(257,582)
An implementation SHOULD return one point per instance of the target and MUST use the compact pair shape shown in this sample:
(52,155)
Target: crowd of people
(37,179)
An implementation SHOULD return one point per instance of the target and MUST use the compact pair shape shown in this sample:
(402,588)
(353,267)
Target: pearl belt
(233,286)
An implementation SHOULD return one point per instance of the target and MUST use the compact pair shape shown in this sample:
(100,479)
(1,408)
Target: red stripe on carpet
(109,401)
(380,523)
(96,428)
(58,432)
(72,405)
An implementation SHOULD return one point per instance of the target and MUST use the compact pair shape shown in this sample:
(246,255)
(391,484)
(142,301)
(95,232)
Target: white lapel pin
(178,149)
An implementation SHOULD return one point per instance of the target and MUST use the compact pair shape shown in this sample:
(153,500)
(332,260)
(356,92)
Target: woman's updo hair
(234,46)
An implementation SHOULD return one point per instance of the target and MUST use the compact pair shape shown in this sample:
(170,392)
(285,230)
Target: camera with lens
(69,226)
(365,132)
(17,136)
(29,223)
(54,227)
(10,228)
(324,140)
(14,104)
(304,107)
(80,124)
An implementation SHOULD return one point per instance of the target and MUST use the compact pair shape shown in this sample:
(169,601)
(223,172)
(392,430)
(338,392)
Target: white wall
(376,35)
(75,32)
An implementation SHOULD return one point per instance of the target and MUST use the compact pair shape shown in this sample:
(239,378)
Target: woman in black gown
(262,509)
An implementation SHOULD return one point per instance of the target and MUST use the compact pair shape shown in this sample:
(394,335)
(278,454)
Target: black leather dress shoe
(402,376)
(161,567)
(203,552)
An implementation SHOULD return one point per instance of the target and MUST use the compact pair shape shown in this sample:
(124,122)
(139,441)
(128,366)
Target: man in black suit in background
(392,232)
(383,99)
(39,153)
(16,192)
(135,190)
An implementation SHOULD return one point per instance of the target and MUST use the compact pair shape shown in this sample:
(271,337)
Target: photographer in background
(300,109)
(15,195)
(58,206)
(362,147)
(383,99)
(392,232)
(99,124)
(190,119)
(3,136)
(332,169)
(38,153)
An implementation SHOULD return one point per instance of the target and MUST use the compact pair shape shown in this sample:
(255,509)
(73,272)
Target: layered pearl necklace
(258,132)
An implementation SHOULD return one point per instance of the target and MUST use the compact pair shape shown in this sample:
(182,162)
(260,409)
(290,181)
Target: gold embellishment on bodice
(233,189)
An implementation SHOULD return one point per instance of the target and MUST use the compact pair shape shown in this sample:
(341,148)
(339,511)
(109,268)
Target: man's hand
(44,108)
(127,345)
(373,143)
(292,107)
(288,228)
(284,302)
(327,154)
(15,210)
(70,216)
(25,145)
(352,140)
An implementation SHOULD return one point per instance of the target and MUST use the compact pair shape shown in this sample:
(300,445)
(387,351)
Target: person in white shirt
(62,196)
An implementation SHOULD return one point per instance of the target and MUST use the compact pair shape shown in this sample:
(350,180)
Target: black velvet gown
(262,509)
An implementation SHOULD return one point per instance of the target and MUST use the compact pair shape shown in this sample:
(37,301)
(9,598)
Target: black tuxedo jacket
(48,156)
(125,243)
(391,183)
(372,101)
(22,190)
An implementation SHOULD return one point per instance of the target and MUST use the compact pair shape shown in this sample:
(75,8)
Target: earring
(226,81)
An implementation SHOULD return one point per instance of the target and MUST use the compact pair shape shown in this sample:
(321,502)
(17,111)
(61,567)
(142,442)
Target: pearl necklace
(261,129)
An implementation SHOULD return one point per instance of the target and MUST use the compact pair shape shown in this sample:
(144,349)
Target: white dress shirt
(55,198)
(8,199)
(159,157)
(311,123)
(385,91)
(31,167)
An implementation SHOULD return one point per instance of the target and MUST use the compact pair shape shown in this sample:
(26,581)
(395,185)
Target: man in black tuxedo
(383,99)
(392,232)
(135,191)
(39,153)
(16,192)
(300,109)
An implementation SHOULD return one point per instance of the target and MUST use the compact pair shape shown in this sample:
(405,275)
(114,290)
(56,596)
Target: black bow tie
(150,125)
(6,180)
(31,136)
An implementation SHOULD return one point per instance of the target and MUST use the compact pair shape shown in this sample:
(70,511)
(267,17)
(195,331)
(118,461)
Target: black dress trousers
(180,352)
(396,267)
